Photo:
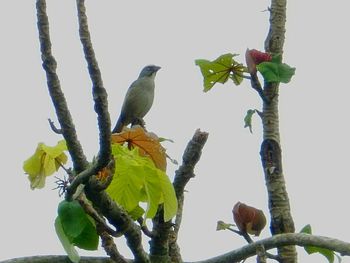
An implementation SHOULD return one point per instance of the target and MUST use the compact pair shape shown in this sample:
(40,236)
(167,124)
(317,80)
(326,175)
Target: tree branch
(118,218)
(185,172)
(98,91)
(271,156)
(299,239)
(55,91)
(101,104)
(281,240)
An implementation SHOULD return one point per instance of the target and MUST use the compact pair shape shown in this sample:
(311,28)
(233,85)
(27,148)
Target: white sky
(130,34)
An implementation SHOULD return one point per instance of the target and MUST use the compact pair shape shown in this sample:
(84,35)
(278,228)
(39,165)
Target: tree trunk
(281,218)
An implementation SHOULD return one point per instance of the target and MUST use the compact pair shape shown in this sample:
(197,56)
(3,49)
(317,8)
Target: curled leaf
(248,120)
(249,219)
(254,57)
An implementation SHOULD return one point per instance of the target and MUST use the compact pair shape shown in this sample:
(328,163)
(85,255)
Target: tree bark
(271,156)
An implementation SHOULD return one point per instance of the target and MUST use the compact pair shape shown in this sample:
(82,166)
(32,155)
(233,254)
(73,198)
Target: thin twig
(251,241)
(255,83)
(117,217)
(144,228)
(98,219)
(54,128)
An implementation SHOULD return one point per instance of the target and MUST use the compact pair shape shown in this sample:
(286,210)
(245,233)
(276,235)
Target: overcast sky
(130,34)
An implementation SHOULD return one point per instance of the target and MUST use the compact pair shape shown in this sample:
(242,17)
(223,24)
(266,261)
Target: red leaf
(248,219)
(259,56)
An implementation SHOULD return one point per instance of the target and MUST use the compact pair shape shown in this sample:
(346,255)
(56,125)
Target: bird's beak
(156,68)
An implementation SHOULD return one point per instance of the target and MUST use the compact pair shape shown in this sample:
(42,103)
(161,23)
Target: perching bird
(138,99)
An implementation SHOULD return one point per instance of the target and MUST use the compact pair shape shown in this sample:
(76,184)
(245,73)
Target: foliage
(225,67)
(329,254)
(276,71)
(248,119)
(137,179)
(75,228)
(249,219)
(221,225)
(147,143)
(220,70)
(44,162)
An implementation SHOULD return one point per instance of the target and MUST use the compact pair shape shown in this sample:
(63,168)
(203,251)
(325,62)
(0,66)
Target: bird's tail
(119,126)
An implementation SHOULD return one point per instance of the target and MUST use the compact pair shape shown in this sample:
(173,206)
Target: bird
(138,99)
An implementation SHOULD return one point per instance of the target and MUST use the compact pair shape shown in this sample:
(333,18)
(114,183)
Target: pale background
(130,34)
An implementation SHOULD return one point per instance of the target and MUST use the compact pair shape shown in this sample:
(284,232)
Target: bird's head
(149,71)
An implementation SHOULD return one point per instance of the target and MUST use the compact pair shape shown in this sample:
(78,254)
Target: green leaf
(306,229)
(67,245)
(276,72)
(73,218)
(78,227)
(88,238)
(329,254)
(221,225)
(248,120)
(137,212)
(277,58)
(162,139)
(220,70)
(44,162)
(153,190)
(169,196)
(136,180)
(128,178)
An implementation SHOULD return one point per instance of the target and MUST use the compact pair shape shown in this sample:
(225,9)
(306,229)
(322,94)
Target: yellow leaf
(44,162)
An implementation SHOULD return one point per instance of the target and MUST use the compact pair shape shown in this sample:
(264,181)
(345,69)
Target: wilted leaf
(254,57)
(147,143)
(248,120)
(220,70)
(44,162)
(248,219)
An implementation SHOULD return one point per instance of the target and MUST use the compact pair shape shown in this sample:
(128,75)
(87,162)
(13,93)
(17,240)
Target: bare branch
(251,241)
(103,227)
(56,94)
(281,240)
(98,91)
(255,83)
(101,104)
(110,247)
(185,172)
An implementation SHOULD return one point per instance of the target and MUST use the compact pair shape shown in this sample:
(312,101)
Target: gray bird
(138,99)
